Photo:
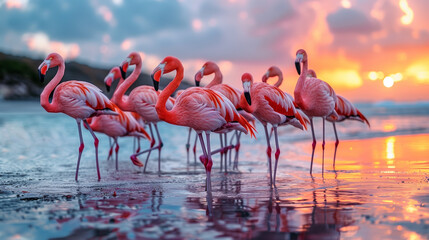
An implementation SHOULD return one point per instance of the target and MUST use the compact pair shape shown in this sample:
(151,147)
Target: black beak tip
(155,84)
(298,67)
(41,77)
(107,88)
(197,83)
(123,73)
(248,99)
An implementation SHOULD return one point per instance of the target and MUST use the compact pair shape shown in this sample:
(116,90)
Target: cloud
(348,20)
(40,42)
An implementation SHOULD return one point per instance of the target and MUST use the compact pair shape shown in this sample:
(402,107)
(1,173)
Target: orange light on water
(390,148)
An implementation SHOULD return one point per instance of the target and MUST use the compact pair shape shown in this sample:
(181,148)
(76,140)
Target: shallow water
(379,189)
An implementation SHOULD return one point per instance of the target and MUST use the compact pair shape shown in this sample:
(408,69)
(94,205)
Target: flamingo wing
(212,105)
(231,93)
(81,99)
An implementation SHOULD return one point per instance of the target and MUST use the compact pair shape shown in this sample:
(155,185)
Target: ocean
(378,189)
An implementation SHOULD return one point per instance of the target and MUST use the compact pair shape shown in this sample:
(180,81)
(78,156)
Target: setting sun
(388,82)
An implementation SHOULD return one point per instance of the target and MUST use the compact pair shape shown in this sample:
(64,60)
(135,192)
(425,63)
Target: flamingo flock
(217,108)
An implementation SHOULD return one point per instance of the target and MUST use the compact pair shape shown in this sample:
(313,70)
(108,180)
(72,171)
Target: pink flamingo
(315,98)
(232,94)
(270,105)
(79,100)
(274,71)
(345,110)
(202,109)
(142,100)
(118,126)
(115,73)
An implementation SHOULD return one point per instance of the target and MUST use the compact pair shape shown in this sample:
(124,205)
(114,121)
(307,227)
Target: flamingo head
(132,59)
(301,56)
(247,81)
(271,72)
(167,65)
(52,60)
(311,73)
(115,73)
(207,69)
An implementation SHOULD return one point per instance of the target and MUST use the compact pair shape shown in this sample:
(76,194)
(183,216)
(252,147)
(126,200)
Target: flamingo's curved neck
(44,97)
(279,80)
(217,79)
(123,87)
(163,97)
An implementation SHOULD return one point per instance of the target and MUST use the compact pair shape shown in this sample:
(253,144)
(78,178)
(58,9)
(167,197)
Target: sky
(367,50)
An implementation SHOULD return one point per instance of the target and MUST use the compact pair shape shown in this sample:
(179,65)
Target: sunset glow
(388,82)
(409,14)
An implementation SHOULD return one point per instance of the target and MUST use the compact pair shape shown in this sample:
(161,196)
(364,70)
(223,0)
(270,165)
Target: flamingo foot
(136,161)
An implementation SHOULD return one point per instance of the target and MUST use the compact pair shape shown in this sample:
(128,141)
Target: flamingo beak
(248,99)
(298,61)
(199,76)
(298,67)
(155,83)
(42,69)
(124,67)
(156,75)
(107,88)
(123,72)
(41,76)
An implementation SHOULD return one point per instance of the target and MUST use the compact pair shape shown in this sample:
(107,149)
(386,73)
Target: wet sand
(379,190)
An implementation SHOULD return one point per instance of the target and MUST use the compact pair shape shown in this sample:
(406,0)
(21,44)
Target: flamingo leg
(226,152)
(221,151)
(152,143)
(209,164)
(268,154)
(205,161)
(116,151)
(160,144)
(134,145)
(194,149)
(138,144)
(188,145)
(336,143)
(313,145)
(80,147)
(96,147)
(277,154)
(111,148)
(237,148)
(231,146)
(323,146)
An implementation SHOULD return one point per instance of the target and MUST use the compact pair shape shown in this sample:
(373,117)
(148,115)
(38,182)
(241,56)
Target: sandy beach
(378,190)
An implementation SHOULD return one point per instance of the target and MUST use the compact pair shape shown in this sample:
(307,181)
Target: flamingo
(315,98)
(274,71)
(115,73)
(142,100)
(231,93)
(79,100)
(119,126)
(270,105)
(345,110)
(201,109)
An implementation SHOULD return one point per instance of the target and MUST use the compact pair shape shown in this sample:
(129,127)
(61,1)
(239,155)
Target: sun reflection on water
(390,149)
